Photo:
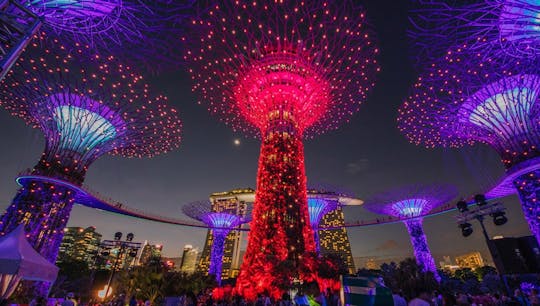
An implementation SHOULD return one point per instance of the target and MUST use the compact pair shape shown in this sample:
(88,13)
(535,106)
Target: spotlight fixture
(480,200)
(117,236)
(499,218)
(462,206)
(466,229)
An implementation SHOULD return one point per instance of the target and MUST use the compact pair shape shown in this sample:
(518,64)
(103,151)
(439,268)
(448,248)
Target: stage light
(462,206)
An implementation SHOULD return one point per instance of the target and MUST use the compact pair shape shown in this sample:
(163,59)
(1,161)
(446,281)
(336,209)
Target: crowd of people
(426,298)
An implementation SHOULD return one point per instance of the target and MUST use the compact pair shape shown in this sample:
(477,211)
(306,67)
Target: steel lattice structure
(414,203)
(492,27)
(282,70)
(466,98)
(84,111)
(221,224)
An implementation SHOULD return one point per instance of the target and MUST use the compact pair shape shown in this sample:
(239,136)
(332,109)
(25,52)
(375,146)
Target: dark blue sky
(366,156)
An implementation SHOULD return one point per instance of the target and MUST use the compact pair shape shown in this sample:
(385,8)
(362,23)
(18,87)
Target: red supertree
(282,70)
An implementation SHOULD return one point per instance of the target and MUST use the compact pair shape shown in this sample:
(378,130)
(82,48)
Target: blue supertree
(221,224)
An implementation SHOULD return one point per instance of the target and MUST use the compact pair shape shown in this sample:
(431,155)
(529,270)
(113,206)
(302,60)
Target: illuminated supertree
(221,224)
(320,203)
(282,70)
(84,111)
(412,203)
(495,27)
(464,99)
(147,32)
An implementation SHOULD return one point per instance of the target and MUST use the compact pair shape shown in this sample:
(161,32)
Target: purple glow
(318,208)
(147,33)
(221,223)
(420,246)
(412,203)
(493,27)
(467,97)
(528,187)
(82,118)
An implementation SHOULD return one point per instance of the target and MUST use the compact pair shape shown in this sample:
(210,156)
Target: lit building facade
(190,255)
(333,241)
(471,260)
(79,244)
(149,253)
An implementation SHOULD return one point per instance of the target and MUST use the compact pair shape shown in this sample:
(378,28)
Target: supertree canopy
(412,203)
(147,32)
(502,27)
(84,111)
(282,70)
(221,224)
(465,98)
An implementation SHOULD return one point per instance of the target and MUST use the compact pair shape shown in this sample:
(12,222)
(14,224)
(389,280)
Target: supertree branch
(221,224)
(492,27)
(412,203)
(84,110)
(420,246)
(464,98)
(142,32)
(528,186)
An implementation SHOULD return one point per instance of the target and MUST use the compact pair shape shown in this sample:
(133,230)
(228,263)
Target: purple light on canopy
(466,98)
(85,110)
(494,27)
(221,224)
(412,203)
(143,32)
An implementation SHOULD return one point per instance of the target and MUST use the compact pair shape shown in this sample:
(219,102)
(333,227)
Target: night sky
(366,156)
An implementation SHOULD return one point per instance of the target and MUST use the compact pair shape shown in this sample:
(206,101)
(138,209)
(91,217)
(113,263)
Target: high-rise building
(334,241)
(471,260)
(371,264)
(80,244)
(188,264)
(149,254)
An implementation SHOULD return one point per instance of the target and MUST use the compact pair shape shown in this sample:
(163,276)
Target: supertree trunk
(216,257)
(420,246)
(280,230)
(528,186)
(44,210)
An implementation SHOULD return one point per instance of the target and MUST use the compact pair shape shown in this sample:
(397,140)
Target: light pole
(122,246)
(483,208)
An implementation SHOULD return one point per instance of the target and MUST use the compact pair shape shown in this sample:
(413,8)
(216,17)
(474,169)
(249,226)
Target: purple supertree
(466,98)
(221,224)
(84,111)
(494,27)
(147,32)
(411,204)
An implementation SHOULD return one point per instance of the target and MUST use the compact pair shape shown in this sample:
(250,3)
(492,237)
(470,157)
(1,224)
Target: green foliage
(73,276)
(408,277)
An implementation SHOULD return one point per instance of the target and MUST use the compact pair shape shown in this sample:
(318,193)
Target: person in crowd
(534,298)
(449,300)
(423,298)
(521,298)
(300,299)
(285,300)
(332,299)
(69,300)
(399,300)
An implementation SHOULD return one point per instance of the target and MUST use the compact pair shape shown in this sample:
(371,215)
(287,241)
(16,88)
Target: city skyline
(366,156)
